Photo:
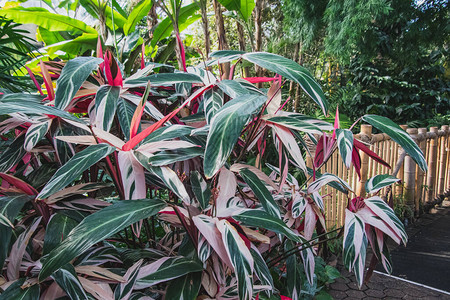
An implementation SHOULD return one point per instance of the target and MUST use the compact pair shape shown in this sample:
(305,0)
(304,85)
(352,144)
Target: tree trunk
(258,33)
(203,7)
(241,37)
(297,92)
(221,36)
(292,84)
(152,20)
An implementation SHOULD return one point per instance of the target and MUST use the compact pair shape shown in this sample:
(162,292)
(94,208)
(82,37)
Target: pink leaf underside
(324,149)
(93,204)
(369,152)
(288,140)
(257,138)
(274,96)
(227,189)
(356,160)
(99,291)
(282,162)
(99,273)
(20,184)
(358,232)
(153,147)
(261,175)
(310,222)
(259,79)
(169,215)
(148,270)
(18,251)
(78,139)
(47,81)
(368,216)
(336,123)
(133,177)
(13,122)
(207,227)
(54,291)
(78,189)
(223,226)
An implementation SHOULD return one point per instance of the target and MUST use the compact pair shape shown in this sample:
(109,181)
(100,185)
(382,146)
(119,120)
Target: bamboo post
(410,175)
(422,139)
(442,160)
(366,135)
(431,175)
(399,188)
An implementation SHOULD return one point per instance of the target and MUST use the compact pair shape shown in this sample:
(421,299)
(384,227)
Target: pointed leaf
(74,167)
(105,106)
(212,101)
(15,291)
(67,279)
(294,123)
(326,178)
(124,290)
(200,189)
(137,14)
(57,230)
(97,227)
(132,174)
(261,269)
(35,133)
(378,182)
(345,145)
(13,154)
(186,287)
(163,79)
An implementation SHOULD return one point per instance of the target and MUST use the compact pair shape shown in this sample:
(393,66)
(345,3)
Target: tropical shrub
(139,187)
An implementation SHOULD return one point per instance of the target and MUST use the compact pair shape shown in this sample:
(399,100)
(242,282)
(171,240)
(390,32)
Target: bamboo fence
(417,189)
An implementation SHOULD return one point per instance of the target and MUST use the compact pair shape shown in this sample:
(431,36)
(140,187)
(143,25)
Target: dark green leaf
(57,230)
(67,279)
(185,287)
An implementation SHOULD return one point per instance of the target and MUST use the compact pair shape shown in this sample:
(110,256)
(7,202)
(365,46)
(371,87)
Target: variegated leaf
(212,101)
(290,179)
(383,251)
(97,227)
(15,291)
(35,133)
(132,174)
(378,182)
(385,213)
(163,79)
(240,258)
(105,106)
(204,249)
(73,75)
(78,189)
(226,127)
(74,167)
(186,287)
(326,178)
(67,279)
(291,145)
(345,144)
(168,133)
(166,269)
(57,230)
(261,269)
(294,123)
(123,290)
(370,218)
(318,200)
(169,157)
(201,189)
(309,263)
(261,192)
(293,273)
(298,205)
(13,154)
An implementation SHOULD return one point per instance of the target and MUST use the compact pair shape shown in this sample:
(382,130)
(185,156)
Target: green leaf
(235,89)
(10,207)
(378,182)
(243,7)
(261,192)
(399,136)
(163,79)
(168,133)
(14,291)
(165,158)
(57,230)
(345,144)
(259,218)
(67,279)
(21,97)
(172,267)
(124,289)
(13,154)
(293,273)
(200,189)
(137,14)
(355,245)
(185,287)
(74,167)
(296,124)
(105,105)
(226,127)
(35,133)
(45,19)
(261,269)
(96,227)
(291,70)
(73,75)
(212,101)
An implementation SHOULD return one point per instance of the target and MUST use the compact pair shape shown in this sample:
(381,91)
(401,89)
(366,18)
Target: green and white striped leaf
(294,123)
(35,133)
(326,178)
(291,70)
(168,133)
(240,258)
(34,108)
(73,75)
(345,144)
(355,245)
(200,188)
(185,287)
(67,279)
(259,218)
(288,140)
(399,136)
(13,154)
(212,101)
(124,289)
(74,167)
(261,192)
(15,291)
(166,269)
(385,213)
(57,230)
(165,158)
(132,174)
(298,205)
(309,263)
(95,228)
(293,273)
(163,79)
(125,112)
(106,101)
(226,127)
(204,249)
(261,269)
(383,251)
(235,89)
(378,182)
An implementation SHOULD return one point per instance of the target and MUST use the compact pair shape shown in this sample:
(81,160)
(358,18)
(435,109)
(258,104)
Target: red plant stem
(185,225)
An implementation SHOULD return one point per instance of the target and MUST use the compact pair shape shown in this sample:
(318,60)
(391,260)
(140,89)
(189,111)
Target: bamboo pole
(431,176)
(366,133)
(399,188)
(410,175)
(422,138)
(447,184)
(442,160)
(334,202)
